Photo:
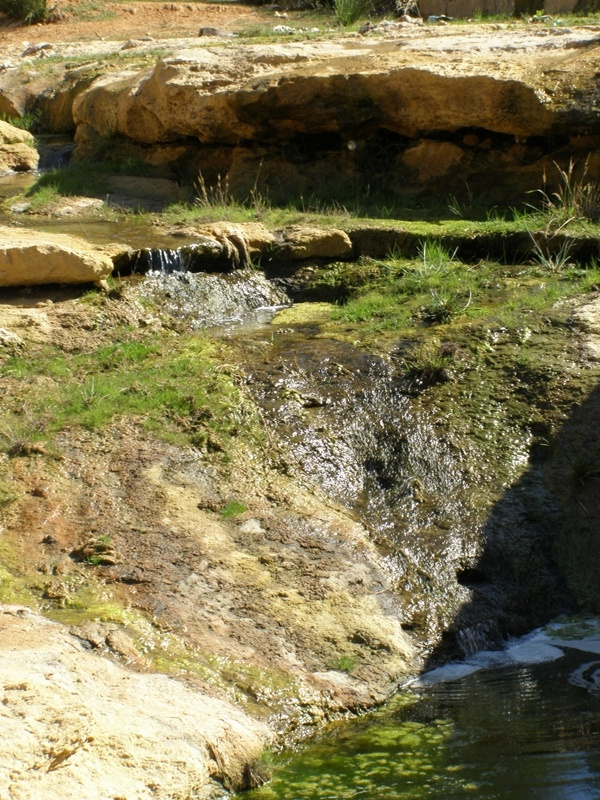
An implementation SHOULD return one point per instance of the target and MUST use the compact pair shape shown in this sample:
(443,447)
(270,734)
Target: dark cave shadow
(541,556)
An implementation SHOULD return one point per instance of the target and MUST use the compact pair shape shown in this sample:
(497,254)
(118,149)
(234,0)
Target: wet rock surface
(371,518)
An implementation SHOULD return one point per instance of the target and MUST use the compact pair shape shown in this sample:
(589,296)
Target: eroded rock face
(29,258)
(292,119)
(75,724)
(267,93)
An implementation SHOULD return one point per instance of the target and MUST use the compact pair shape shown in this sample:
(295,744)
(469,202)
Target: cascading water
(206,300)
(353,426)
(505,723)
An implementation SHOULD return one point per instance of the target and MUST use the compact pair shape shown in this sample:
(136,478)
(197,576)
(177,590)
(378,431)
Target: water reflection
(518,732)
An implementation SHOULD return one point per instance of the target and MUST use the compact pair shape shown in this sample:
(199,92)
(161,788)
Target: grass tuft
(348,11)
(30,11)
(575,199)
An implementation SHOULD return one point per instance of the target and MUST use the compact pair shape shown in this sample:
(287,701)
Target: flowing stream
(517,721)
(522,723)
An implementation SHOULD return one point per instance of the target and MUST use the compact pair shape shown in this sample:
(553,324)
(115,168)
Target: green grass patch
(26,122)
(437,289)
(344,664)
(178,388)
(232,509)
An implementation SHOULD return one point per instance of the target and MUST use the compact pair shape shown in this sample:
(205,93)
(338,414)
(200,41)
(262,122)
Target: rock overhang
(272,92)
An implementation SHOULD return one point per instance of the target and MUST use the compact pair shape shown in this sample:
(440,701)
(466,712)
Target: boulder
(18,157)
(17,150)
(30,258)
(299,242)
(75,724)
(9,134)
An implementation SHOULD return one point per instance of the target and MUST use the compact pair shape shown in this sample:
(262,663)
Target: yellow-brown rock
(274,92)
(17,150)
(75,724)
(29,258)
(299,241)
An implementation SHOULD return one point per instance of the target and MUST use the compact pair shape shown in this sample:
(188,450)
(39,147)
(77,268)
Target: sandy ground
(94,21)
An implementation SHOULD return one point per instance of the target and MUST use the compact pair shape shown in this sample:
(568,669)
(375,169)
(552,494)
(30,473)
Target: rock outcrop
(271,93)
(97,730)
(292,120)
(29,258)
(17,151)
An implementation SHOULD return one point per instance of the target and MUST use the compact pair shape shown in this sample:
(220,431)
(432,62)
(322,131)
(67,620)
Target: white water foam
(541,645)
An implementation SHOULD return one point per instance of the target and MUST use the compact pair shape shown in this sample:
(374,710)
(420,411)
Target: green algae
(368,758)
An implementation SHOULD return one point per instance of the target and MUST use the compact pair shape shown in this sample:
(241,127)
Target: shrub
(27,10)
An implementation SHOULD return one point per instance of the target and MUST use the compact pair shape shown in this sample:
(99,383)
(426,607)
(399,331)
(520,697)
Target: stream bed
(520,723)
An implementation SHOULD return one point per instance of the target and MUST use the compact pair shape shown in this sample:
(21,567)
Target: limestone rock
(17,151)
(56,102)
(18,157)
(256,237)
(9,134)
(29,258)
(275,92)
(75,724)
(298,242)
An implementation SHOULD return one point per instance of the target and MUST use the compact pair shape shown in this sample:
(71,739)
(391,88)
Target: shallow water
(516,730)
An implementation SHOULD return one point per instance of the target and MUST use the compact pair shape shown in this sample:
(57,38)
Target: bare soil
(93,21)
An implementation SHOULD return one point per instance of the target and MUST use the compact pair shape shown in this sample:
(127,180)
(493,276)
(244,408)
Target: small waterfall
(205,300)
(149,259)
(54,153)
(205,255)
(481,636)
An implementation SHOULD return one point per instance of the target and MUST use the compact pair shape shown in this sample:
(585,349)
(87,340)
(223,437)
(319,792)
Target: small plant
(26,122)
(232,509)
(555,261)
(219,196)
(434,257)
(428,364)
(348,11)
(575,198)
(444,306)
(259,771)
(211,196)
(344,664)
